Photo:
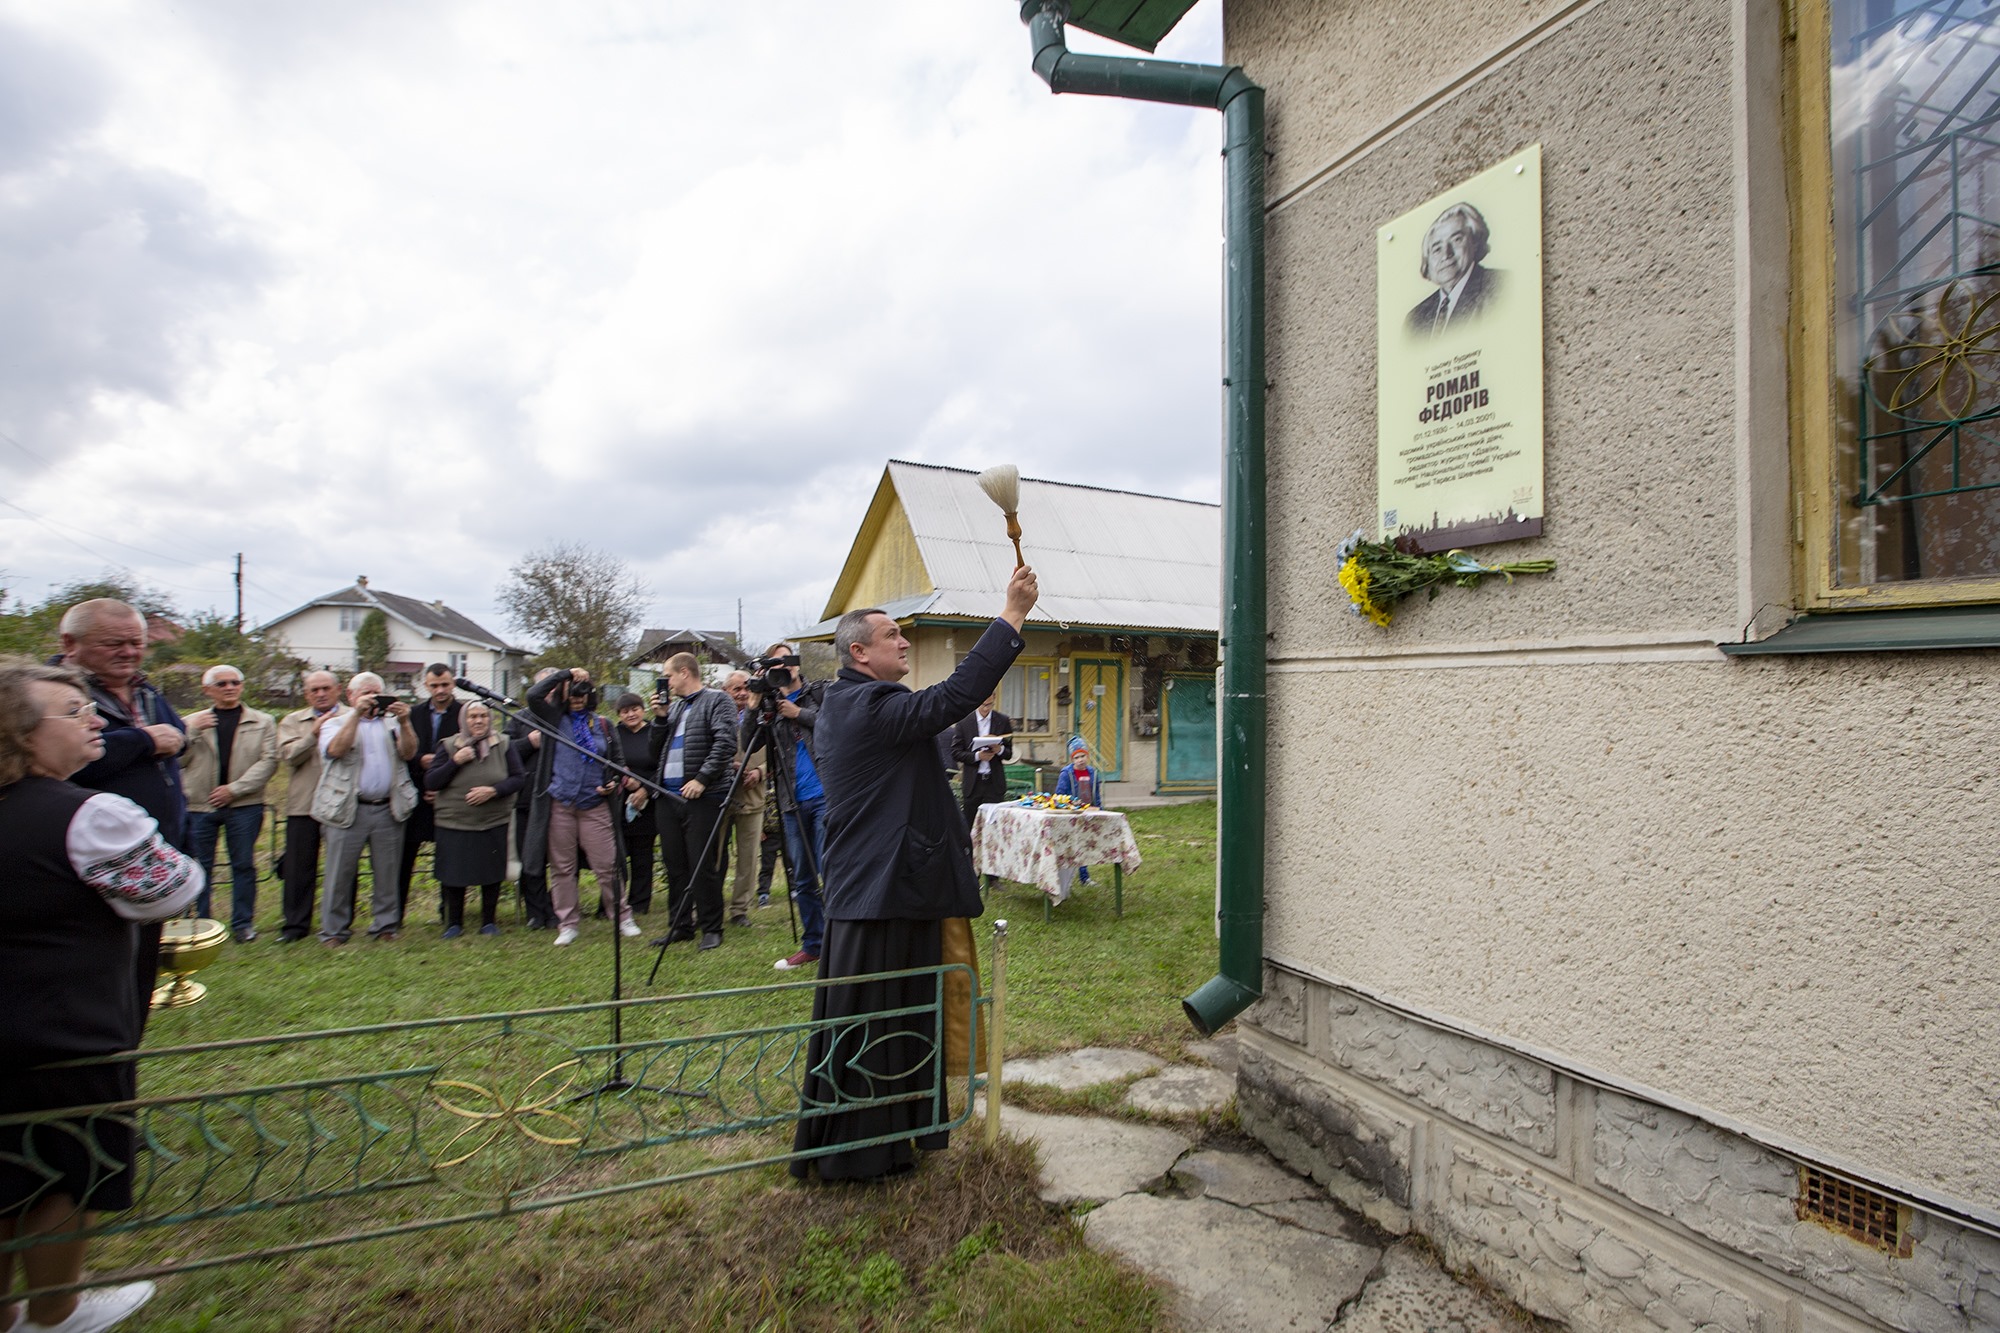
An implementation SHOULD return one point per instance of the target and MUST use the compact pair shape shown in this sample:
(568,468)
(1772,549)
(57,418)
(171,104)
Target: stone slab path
(1244,1243)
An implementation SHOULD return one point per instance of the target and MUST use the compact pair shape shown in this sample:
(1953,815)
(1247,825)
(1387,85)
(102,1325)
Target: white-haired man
(1453,257)
(106,640)
(231,753)
(364,797)
(298,750)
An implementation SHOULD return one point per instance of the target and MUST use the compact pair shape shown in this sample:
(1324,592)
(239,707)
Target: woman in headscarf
(475,775)
(82,868)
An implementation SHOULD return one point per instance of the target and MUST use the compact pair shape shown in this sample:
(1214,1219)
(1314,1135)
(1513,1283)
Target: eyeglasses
(227,684)
(83,712)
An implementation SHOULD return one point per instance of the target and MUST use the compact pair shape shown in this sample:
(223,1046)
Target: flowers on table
(1377,575)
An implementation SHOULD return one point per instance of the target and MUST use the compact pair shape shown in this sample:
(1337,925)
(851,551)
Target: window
(1024,696)
(350,618)
(1899,449)
(458,663)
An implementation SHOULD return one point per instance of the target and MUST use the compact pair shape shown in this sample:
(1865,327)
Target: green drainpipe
(1240,858)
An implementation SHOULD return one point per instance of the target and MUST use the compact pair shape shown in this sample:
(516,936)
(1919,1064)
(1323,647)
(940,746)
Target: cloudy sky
(407,288)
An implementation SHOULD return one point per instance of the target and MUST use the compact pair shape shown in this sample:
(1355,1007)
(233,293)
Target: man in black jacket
(981,745)
(697,750)
(143,736)
(432,721)
(898,866)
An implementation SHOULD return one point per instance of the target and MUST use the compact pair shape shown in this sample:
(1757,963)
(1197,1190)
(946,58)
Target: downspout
(1239,978)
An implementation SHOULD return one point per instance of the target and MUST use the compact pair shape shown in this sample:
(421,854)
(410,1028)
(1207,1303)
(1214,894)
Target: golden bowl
(187,945)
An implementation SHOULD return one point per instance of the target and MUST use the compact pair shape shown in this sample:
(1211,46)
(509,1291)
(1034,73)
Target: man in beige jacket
(746,809)
(298,750)
(231,753)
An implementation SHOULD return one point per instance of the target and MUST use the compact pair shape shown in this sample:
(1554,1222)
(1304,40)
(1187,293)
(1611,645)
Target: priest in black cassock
(897,879)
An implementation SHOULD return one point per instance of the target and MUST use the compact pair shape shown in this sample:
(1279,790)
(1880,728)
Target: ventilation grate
(1875,1220)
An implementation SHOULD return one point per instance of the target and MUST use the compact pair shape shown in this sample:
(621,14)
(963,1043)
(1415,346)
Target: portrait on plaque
(1459,356)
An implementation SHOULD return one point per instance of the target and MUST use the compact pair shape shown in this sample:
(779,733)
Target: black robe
(898,862)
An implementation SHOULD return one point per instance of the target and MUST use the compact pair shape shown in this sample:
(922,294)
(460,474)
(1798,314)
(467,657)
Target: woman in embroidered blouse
(475,777)
(82,868)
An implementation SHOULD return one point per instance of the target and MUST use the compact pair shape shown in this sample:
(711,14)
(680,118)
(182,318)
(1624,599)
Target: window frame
(1813,345)
(1048,663)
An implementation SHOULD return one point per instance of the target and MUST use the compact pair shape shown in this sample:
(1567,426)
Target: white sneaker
(96,1310)
(567,935)
(629,928)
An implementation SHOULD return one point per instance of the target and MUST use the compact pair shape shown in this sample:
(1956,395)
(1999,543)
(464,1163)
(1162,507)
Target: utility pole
(739,623)
(239,592)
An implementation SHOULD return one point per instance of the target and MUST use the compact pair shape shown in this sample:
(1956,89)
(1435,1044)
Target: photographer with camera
(801,799)
(363,799)
(697,729)
(574,789)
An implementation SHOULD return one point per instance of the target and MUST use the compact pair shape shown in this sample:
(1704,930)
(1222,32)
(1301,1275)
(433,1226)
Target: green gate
(362,1133)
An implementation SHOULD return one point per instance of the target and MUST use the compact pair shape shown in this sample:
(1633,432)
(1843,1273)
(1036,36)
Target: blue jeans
(239,826)
(807,818)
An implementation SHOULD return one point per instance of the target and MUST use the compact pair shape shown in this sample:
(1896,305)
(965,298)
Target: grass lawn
(963,1243)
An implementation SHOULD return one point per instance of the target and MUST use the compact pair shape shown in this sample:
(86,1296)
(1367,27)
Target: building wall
(315,636)
(1552,815)
(893,567)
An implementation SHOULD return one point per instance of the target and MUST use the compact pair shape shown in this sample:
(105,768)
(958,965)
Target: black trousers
(768,852)
(640,834)
(534,885)
(685,829)
(420,828)
(988,790)
(301,875)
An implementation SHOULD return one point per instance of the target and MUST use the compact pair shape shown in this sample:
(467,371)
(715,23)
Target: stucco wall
(1554,812)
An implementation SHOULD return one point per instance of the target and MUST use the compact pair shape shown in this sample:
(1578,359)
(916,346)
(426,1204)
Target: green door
(1187,732)
(1099,711)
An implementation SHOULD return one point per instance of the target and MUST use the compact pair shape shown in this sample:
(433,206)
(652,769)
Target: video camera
(779,673)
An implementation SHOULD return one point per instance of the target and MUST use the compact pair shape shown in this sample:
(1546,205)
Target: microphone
(482,692)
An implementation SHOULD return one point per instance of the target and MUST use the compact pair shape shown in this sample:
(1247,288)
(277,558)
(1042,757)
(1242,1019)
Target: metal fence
(268,1146)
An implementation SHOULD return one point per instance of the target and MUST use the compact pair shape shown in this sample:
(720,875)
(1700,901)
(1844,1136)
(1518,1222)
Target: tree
(581,604)
(31,630)
(209,638)
(371,642)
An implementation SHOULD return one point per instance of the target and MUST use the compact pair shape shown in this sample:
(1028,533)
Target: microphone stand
(514,711)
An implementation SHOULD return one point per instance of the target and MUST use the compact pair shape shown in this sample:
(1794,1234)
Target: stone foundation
(1584,1205)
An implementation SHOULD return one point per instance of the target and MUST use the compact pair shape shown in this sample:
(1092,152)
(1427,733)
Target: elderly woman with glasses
(475,775)
(82,868)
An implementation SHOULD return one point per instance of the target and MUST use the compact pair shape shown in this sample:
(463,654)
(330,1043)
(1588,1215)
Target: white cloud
(411,289)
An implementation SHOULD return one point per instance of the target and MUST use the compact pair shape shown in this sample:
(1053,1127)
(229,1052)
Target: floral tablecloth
(1044,848)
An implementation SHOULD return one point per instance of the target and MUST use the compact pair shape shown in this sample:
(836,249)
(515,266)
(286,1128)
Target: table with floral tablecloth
(1045,847)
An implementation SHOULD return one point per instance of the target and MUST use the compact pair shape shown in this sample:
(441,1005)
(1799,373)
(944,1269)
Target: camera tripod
(680,924)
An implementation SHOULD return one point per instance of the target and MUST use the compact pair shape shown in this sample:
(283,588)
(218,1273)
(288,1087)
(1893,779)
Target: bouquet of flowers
(1377,575)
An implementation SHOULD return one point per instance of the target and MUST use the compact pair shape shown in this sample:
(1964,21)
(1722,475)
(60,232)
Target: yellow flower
(1354,578)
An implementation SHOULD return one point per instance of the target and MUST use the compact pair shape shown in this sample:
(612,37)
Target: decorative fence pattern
(438,1122)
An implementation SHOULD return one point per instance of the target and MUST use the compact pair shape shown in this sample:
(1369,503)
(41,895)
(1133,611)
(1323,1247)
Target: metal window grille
(1875,1220)
(1915,129)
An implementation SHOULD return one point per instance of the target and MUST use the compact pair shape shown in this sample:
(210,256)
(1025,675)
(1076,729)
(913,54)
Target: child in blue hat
(1079,779)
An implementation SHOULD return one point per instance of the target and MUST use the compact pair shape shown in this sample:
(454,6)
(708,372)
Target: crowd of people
(112,808)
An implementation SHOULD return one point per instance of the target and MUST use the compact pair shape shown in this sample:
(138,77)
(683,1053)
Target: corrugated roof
(1111,559)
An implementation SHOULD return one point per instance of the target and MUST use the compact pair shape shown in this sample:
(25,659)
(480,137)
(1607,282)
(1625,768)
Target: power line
(156,555)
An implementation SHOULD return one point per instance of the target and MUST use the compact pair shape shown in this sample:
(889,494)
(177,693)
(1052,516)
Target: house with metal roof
(321,633)
(1122,647)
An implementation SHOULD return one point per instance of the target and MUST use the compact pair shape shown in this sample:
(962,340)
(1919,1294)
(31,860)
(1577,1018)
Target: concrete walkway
(1245,1244)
